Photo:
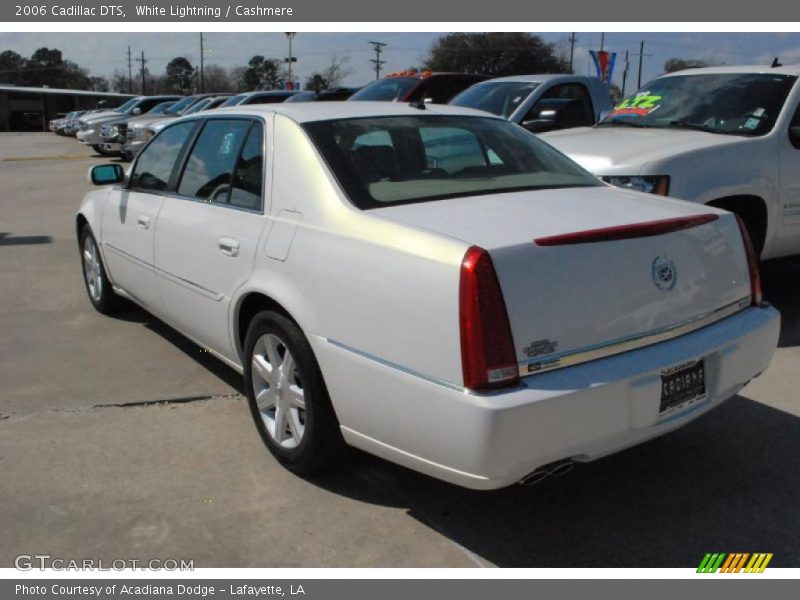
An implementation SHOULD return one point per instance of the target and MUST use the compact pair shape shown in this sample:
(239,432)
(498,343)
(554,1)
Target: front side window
(566,105)
(397,160)
(729,103)
(207,174)
(155,163)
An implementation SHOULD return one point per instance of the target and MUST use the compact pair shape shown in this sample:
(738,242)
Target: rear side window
(208,170)
(248,176)
(156,162)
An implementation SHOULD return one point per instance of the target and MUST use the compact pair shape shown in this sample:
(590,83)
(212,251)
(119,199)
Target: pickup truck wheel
(288,397)
(101,295)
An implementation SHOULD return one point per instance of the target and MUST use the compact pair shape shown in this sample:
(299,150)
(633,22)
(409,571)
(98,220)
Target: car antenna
(418,104)
(775,63)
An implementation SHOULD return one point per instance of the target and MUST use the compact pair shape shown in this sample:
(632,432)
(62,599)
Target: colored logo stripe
(735,562)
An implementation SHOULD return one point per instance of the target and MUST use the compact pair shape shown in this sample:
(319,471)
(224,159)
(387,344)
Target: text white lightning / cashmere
(431,284)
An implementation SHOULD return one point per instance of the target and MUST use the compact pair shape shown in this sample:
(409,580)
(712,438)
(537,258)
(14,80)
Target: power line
(378,48)
(144,62)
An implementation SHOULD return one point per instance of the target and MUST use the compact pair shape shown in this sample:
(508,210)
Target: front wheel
(98,286)
(288,397)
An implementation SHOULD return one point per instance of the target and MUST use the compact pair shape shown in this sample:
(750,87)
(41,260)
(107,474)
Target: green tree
(494,54)
(180,74)
(11,67)
(316,83)
(261,73)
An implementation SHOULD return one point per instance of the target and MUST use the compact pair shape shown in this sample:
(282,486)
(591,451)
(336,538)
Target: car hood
(112,117)
(610,150)
(145,120)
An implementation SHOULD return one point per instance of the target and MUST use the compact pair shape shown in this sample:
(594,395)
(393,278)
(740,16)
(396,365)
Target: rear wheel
(288,397)
(98,286)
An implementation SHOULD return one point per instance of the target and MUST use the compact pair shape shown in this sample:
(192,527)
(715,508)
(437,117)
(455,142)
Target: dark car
(332,95)
(418,86)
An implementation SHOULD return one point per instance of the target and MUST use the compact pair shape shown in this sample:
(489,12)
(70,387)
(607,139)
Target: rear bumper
(582,412)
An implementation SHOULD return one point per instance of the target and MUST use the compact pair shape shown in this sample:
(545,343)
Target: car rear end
(588,319)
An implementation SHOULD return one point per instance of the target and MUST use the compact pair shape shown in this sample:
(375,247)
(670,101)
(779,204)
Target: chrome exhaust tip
(558,468)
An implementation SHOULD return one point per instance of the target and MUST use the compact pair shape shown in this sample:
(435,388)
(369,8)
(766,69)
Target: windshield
(498,97)
(397,160)
(178,107)
(161,109)
(729,103)
(128,105)
(233,101)
(198,106)
(390,89)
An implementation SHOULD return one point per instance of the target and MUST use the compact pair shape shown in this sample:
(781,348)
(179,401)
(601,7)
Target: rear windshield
(383,161)
(500,97)
(393,88)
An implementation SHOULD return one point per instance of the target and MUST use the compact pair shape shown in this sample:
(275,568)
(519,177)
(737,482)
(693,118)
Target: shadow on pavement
(729,482)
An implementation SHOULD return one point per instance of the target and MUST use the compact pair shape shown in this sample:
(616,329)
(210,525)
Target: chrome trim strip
(400,368)
(633,342)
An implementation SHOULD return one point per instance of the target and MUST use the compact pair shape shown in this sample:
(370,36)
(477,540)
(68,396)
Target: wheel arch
(248,306)
(752,209)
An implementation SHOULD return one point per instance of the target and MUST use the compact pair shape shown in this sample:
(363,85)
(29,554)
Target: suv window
(147,105)
(208,171)
(155,163)
(572,102)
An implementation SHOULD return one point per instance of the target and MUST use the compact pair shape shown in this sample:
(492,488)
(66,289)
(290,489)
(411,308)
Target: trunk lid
(569,298)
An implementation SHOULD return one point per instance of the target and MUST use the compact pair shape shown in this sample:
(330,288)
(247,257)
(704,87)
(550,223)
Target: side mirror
(106,175)
(546,121)
(794,136)
(136,111)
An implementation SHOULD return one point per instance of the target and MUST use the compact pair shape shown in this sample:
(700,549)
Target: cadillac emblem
(664,273)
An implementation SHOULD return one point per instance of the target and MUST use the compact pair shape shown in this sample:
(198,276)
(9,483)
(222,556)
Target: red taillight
(752,264)
(487,348)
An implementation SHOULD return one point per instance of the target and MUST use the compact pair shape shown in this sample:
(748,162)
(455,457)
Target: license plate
(682,384)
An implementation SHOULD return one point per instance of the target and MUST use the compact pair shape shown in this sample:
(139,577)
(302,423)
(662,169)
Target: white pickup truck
(723,136)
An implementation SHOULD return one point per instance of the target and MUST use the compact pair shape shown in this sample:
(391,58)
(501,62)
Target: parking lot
(119,438)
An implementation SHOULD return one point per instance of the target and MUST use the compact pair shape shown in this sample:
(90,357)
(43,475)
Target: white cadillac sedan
(433,285)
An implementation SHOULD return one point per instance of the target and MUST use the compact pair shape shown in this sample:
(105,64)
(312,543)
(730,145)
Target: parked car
(114,133)
(433,285)
(135,127)
(58,125)
(414,86)
(540,102)
(331,95)
(89,127)
(138,135)
(260,97)
(727,137)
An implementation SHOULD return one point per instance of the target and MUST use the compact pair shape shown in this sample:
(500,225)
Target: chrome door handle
(228,246)
(144,222)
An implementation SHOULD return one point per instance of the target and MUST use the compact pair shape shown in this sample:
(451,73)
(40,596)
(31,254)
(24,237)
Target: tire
(99,150)
(292,411)
(98,287)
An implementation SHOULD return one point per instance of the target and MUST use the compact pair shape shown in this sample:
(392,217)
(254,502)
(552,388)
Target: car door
(130,213)
(788,230)
(569,103)
(209,229)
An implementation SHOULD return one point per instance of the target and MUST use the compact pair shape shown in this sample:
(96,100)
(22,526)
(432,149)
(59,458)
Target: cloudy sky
(103,53)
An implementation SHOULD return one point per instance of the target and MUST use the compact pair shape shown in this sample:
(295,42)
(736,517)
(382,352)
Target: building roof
(47,90)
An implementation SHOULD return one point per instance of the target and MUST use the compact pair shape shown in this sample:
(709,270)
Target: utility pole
(378,47)
(641,57)
(625,74)
(572,40)
(602,41)
(130,72)
(291,59)
(144,62)
(202,74)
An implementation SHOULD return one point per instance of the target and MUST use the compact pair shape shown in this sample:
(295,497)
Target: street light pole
(291,59)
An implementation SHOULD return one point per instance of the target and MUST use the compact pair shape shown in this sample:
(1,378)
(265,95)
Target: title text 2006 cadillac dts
(430,284)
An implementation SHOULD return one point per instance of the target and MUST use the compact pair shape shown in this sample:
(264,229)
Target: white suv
(724,136)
